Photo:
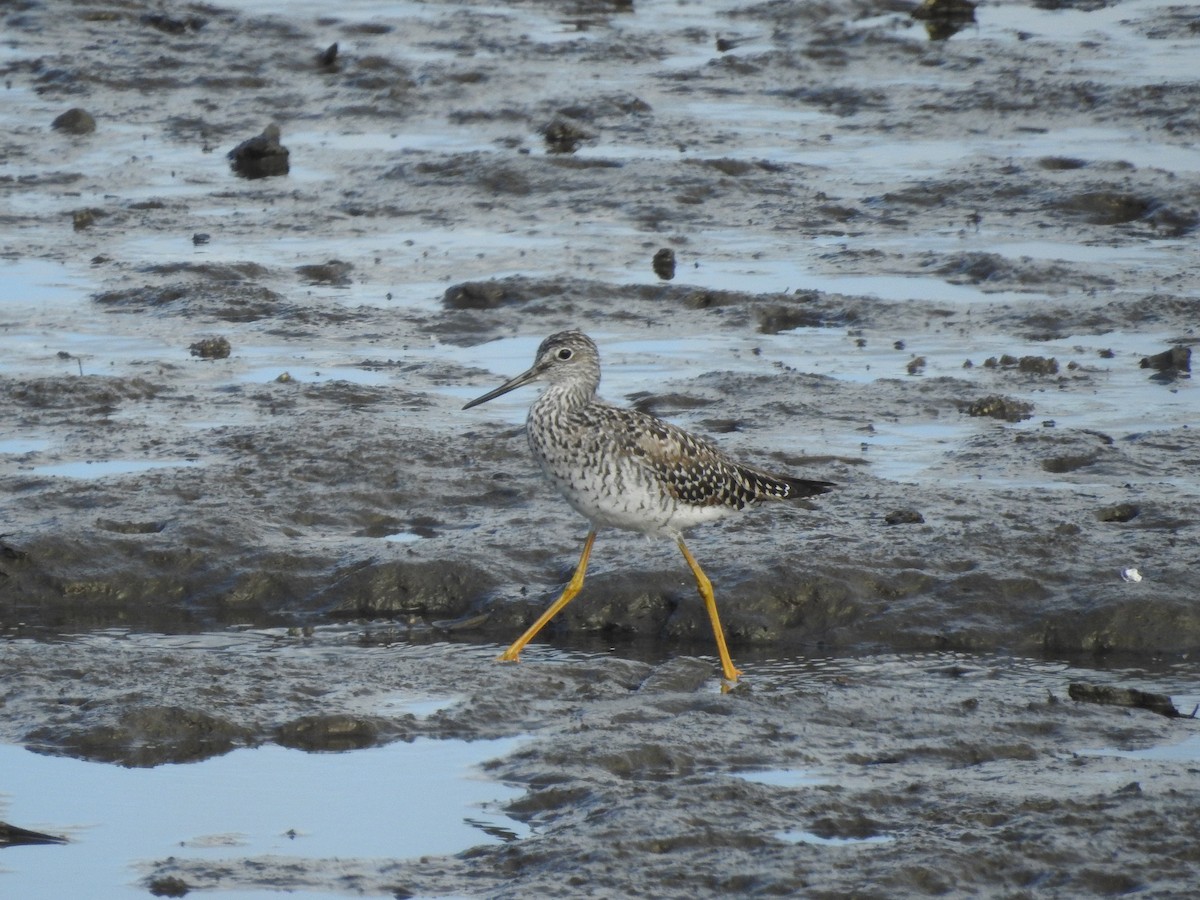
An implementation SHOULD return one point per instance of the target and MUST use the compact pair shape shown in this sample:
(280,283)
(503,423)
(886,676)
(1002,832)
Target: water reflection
(398,801)
(807,837)
(945,18)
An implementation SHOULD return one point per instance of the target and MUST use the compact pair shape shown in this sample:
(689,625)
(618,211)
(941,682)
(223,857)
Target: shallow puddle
(1126,400)
(398,801)
(21,446)
(807,837)
(777,149)
(783,778)
(110,467)
(1185,751)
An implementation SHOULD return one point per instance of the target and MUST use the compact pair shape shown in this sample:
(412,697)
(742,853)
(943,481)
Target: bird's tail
(798,488)
(767,485)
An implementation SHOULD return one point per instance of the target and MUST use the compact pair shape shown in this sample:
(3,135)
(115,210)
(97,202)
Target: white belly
(624,499)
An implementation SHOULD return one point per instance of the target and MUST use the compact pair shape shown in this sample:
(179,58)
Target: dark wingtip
(803,487)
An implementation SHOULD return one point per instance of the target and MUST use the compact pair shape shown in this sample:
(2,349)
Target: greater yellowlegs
(627,469)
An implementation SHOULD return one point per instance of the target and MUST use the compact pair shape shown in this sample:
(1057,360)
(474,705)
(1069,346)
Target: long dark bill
(511,385)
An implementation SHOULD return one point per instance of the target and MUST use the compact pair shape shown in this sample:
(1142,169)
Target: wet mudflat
(242,508)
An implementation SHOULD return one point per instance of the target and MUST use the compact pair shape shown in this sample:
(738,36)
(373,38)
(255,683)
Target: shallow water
(1184,751)
(109,467)
(420,163)
(807,837)
(1127,402)
(397,801)
(388,806)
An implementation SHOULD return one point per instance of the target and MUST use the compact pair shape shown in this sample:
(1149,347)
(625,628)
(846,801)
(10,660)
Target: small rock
(1109,207)
(904,517)
(1038,365)
(329,733)
(564,136)
(334,272)
(997,407)
(664,263)
(1071,462)
(1122,512)
(1119,696)
(774,319)
(82,219)
(211,348)
(168,886)
(482,295)
(916,366)
(944,18)
(171,25)
(75,121)
(201,237)
(1034,365)
(260,157)
(1177,359)
(1061,163)
(327,58)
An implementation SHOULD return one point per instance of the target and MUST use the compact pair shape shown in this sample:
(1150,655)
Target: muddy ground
(424,216)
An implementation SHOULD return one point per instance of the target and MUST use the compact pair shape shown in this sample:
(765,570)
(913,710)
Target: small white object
(1131,574)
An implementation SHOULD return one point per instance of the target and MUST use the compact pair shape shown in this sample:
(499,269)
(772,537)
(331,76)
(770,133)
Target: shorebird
(627,469)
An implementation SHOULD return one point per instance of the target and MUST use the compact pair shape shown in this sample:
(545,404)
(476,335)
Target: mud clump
(75,121)
(327,59)
(1120,208)
(82,219)
(1110,695)
(232,302)
(1121,512)
(995,406)
(1061,163)
(97,393)
(664,263)
(944,18)
(1061,465)
(904,517)
(335,273)
(212,348)
(494,294)
(775,319)
(175,25)
(1031,365)
(332,733)
(168,886)
(1170,362)
(262,156)
(564,136)
(148,736)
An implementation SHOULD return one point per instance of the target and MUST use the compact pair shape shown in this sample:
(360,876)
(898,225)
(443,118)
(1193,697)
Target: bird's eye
(565,353)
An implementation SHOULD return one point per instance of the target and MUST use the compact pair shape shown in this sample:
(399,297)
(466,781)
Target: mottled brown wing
(695,471)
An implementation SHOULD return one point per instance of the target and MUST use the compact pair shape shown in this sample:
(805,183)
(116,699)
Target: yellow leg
(710,603)
(513,653)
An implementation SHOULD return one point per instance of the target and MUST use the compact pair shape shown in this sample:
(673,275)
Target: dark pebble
(75,121)
(260,157)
